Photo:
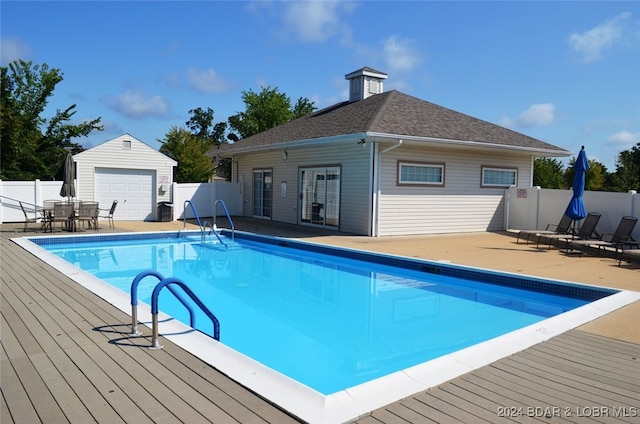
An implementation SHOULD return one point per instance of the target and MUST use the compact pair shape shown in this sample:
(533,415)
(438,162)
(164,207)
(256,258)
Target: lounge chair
(616,241)
(586,232)
(109,214)
(563,227)
(28,219)
(631,254)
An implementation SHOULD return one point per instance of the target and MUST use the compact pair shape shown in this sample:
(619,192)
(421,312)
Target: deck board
(66,357)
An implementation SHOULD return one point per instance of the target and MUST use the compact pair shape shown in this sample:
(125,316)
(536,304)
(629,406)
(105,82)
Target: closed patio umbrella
(68,188)
(575,209)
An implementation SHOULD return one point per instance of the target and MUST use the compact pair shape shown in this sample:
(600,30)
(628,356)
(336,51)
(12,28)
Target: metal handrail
(195,213)
(155,343)
(213,230)
(226,211)
(134,300)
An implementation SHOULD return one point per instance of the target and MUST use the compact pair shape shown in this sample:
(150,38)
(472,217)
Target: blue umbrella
(576,209)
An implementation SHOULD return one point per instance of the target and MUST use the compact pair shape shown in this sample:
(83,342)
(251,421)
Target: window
(126,144)
(499,177)
(420,174)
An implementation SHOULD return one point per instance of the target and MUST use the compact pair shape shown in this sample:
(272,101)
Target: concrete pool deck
(614,332)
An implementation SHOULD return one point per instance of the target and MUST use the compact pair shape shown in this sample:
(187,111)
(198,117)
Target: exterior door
(262,193)
(320,196)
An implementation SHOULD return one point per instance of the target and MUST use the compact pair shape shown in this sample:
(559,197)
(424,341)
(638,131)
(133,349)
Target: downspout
(392,147)
(376,180)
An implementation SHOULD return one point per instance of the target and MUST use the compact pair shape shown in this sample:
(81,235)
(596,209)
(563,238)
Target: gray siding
(462,205)
(353,160)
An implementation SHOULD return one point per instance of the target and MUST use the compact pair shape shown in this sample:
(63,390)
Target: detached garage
(129,171)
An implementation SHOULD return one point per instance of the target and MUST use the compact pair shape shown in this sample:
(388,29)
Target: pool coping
(351,403)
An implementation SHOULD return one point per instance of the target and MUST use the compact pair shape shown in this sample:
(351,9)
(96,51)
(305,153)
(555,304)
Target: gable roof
(392,114)
(114,145)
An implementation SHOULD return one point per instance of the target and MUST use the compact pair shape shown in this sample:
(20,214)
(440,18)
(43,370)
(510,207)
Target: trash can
(165,211)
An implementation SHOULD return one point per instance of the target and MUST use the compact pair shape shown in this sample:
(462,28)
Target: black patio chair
(109,214)
(586,232)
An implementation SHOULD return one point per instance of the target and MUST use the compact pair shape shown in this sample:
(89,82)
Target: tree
(202,127)
(189,151)
(548,173)
(266,110)
(31,145)
(595,177)
(627,175)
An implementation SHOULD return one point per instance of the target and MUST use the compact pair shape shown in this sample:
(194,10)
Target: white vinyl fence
(203,197)
(526,208)
(534,208)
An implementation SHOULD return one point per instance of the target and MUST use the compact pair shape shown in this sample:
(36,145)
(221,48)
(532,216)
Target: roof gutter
(468,143)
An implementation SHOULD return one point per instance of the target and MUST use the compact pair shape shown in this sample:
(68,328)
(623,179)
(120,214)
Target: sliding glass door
(262,193)
(320,196)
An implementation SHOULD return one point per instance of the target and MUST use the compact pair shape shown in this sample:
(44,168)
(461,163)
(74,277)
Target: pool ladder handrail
(202,225)
(195,214)
(203,235)
(226,211)
(167,282)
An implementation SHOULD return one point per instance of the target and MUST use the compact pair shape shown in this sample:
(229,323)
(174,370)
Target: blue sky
(567,73)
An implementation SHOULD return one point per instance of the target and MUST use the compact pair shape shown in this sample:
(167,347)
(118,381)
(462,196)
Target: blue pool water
(328,318)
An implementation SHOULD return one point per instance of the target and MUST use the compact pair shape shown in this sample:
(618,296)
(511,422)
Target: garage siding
(141,170)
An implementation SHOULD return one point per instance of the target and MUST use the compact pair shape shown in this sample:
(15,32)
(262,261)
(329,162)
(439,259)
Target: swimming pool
(399,295)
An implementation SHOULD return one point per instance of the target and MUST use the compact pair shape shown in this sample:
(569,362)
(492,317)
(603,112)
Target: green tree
(189,151)
(548,173)
(31,145)
(202,127)
(266,110)
(595,177)
(627,175)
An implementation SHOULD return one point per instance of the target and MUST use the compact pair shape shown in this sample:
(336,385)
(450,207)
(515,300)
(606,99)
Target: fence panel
(533,208)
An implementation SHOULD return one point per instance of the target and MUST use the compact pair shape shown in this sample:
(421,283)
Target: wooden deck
(66,358)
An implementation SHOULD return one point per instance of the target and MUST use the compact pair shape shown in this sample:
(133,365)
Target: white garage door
(132,188)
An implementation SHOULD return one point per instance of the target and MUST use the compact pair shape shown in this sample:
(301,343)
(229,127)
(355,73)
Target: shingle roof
(391,113)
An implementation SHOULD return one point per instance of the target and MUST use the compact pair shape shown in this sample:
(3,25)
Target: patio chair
(617,240)
(563,227)
(64,213)
(88,213)
(586,232)
(109,214)
(28,219)
(633,253)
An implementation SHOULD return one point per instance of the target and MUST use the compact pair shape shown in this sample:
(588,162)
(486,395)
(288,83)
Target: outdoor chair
(586,232)
(28,219)
(109,214)
(617,240)
(64,213)
(633,253)
(563,227)
(88,213)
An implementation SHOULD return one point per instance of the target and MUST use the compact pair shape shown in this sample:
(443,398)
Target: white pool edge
(355,401)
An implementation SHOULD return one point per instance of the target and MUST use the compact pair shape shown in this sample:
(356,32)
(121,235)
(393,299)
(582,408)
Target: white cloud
(206,80)
(135,104)
(401,54)
(538,115)
(623,140)
(13,49)
(590,44)
(316,21)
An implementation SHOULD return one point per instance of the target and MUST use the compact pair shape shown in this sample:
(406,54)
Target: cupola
(364,82)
